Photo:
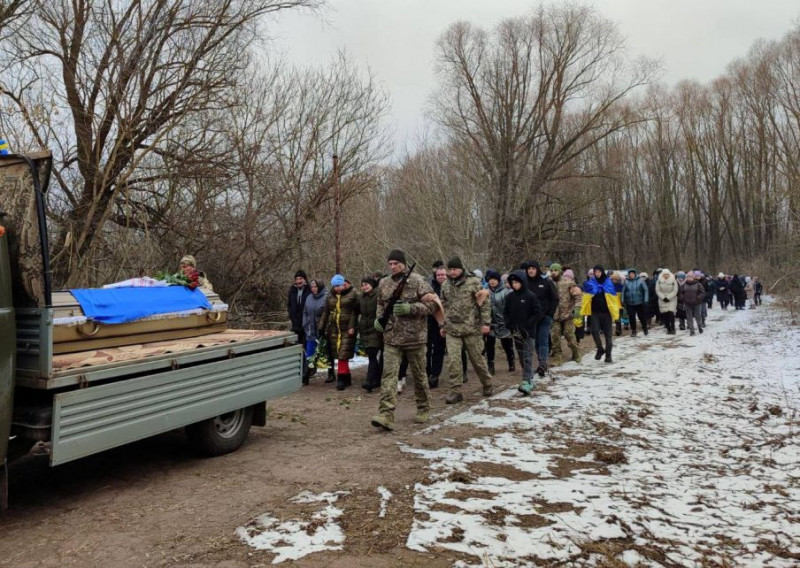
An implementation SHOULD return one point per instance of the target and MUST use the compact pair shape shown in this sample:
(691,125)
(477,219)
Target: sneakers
(488,390)
(525,388)
(700,329)
(541,370)
(421,417)
(608,358)
(383,421)
(599,354)
(691,332)
(401,385)
(454,397)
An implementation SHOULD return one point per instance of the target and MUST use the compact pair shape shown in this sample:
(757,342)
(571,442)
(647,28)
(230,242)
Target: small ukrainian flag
(3,147)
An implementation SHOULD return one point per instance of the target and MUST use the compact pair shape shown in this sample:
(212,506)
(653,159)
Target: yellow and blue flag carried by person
(4,150)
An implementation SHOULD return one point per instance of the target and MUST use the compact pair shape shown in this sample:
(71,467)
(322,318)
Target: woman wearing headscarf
(313,308)
(339,323)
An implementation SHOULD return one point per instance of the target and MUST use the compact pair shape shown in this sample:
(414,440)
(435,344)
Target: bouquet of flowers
(176,279)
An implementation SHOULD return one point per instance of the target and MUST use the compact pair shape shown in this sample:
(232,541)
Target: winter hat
(337,280)
(681,275)
(698,274)
(569,274)
(189,260)
(721,275)
(555,267)
(301,274)
(492,274)
(369,280)
(644,275)
(437,264)
(455,262)
(477,272)
(747,280)
(397,255)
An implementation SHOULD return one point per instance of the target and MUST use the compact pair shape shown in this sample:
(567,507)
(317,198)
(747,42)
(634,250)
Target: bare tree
(528,98)
(125,74)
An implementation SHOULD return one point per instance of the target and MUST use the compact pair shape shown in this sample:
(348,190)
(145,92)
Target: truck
(70,407)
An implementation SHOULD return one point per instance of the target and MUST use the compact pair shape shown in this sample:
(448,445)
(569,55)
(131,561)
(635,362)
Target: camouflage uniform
(405,335)
(569,296)
(463,321)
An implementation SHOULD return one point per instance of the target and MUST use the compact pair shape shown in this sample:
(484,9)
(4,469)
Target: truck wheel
(222,434)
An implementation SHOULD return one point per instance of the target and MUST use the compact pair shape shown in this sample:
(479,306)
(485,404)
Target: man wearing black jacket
(296,302)
(522,313)
(547,294)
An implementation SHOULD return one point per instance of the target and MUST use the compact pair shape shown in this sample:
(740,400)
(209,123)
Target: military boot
(422,416)
(488,390)
(454,397)
(385,421)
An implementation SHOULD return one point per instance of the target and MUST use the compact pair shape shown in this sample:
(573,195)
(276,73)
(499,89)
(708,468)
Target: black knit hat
(301,274)
(397,255)
(455,262)
(492,274)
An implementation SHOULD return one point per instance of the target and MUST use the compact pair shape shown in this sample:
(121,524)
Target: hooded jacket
(312,310)
(634,292)
(498,302)
(545,290)
(600,296)
(522,310)
(722,289)
(667,292)
(341,315)
(692,293)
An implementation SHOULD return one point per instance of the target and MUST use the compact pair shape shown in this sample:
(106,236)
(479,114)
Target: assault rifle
(394,298)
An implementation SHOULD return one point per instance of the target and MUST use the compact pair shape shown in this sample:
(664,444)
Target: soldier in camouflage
(406,334)
(569,295)
(468,315)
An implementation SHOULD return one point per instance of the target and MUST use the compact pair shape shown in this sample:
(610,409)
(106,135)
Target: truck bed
(86,367)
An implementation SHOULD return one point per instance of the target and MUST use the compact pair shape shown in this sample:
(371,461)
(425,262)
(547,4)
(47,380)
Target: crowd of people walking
(407,324)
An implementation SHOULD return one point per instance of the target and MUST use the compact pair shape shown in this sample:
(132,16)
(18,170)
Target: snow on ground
(386,495)
(684,451)
(294,539)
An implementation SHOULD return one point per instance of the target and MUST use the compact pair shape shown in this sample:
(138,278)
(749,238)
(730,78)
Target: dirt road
(685,450)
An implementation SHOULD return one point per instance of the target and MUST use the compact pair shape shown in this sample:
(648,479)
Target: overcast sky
(694,39)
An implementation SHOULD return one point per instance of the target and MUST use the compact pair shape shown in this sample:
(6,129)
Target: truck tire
(222,434)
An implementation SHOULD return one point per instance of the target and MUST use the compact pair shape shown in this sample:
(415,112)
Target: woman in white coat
(667,292)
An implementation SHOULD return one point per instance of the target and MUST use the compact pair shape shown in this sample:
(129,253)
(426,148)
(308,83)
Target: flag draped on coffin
(122,305)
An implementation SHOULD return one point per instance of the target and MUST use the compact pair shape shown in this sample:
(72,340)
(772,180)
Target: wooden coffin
(72,334)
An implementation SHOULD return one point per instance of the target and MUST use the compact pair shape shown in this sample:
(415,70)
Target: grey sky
(695,39)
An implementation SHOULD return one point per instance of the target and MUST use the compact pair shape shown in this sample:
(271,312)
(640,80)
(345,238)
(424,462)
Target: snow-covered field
(684,452)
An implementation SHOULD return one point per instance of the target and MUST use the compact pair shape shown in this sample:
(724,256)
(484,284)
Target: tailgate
(97,418)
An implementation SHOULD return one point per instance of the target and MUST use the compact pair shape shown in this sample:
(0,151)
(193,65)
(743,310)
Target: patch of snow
(294,539)
(707,466)
(386,495)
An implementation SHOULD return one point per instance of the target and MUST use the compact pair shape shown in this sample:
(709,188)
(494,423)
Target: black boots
(511,367)
(599,354)
(433,382)
(331,376)
(343,381)
(490,364)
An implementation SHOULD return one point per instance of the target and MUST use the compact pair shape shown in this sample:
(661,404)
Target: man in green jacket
(468,316)
(406,334)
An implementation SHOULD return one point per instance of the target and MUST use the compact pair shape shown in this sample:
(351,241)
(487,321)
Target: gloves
(402,309)
(377,325)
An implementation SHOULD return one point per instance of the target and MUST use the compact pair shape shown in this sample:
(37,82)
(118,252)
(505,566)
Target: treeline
(174,132)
